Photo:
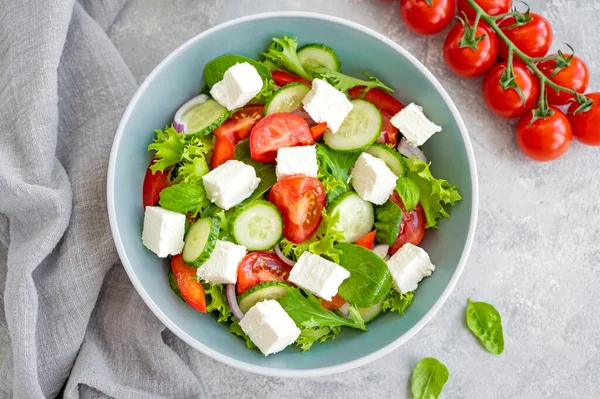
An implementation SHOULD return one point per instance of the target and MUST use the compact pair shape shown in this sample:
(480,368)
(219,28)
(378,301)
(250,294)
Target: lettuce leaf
(183,197)
(334,170)
(169,145)
(388,219)
(311,335)
(216,301)
(343,82)
(282,51)
(408,191)
(396,302)
(235,328)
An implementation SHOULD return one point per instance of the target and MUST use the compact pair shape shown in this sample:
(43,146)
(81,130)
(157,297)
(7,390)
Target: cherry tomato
(300,200)
(379,98)
(367,240)
(276,131)
(492,7)
(389,133)
(507,103)
(335,303)
(466,62)
(258,267)
(586,125)
(413,225)
(191,289)
(427,19)
(238,126)
(153,184)
(318,130)
(534,38)
(575,76)
(282,78)
(223,152)
(546,138)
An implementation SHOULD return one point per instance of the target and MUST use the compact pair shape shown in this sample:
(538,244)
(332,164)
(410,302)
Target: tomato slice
(153,184)
(191,289)
(413,225)
(367,240)
(301,200)
(379,98)
(238,126)
(258,267)
(389,133)
(282,78)
(276,131)
(318,130)
(335,303)
(223,152)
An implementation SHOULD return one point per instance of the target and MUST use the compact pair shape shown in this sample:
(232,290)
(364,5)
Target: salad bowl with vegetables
(305,208)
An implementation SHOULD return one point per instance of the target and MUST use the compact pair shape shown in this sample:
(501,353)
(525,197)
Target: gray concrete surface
(536,255)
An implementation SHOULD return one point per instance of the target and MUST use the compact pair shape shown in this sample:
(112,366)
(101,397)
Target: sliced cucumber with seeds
(200,117)
(287,99)
(200,241)
(359,130)
(368,314)
(314,55)
(261,292)
(392,158)
(258,226)
(356,216)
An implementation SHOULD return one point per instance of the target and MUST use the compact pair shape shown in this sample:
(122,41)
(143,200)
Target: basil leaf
(388,220)
(485,322)
(265,171)
(370,279)
(409,191)
(334,169)
(428,378)
(183,198)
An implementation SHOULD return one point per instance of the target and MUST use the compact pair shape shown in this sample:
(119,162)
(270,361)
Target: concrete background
(536,255)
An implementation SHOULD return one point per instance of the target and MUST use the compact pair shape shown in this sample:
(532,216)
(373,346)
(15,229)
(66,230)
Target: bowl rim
(270,371)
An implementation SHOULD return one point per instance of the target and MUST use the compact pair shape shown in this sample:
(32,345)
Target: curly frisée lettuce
(396,302)
(169,146)
(334,170)
(282,51)
(344,82)
(216,301)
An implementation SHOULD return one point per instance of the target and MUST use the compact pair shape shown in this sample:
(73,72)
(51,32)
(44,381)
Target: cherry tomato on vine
(506,102)
(425,19)
(576,76)
(492,7)
(586,125)
(465,61)
(546,138)
(533,38)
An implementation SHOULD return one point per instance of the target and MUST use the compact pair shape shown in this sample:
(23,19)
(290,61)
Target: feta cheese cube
(230,183)
(222,266)
(324,103)
(414,125)
(163,231)
(269,327)
(240,84)
(297,161)
(372,179)
(318,276)
(408,267)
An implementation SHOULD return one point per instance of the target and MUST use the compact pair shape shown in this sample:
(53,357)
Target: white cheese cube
(240,84)
(230,183)
(408,267)
(318,276)
(222,266)
(324,103)
(297,161)
(414,125)
(163,231)
(269,327)
(372,179)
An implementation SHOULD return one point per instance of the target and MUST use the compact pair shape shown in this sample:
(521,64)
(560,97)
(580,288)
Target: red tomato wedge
(367,240)
(258,267)
(413,225)
(190,288)
(379,98)
(389,133)
(276,131)
(153,184)
(282,78)
(335,303)
(238,126)
(300,200)
(318,130)
(223,152)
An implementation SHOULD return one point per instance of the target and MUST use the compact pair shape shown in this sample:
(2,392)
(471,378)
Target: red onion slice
(178,122)
(304,115)
(381,250)
(344,310)
(409,151)
(281,256)
(232,301)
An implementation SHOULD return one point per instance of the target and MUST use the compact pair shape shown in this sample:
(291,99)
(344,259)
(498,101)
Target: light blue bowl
(179,77)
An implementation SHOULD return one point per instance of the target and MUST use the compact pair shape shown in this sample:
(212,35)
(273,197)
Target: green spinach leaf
(409,192)
(334,170)
(265,171)
(388,219)
(428,378)
(485,322)
(183,198)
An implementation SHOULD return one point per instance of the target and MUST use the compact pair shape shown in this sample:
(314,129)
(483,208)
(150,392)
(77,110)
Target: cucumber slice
(392,158)
(359,130)
(257,226)
(200,241)
(367,314)
(287,99)
(261,292)
(356,216)
(199,117)
(314,55)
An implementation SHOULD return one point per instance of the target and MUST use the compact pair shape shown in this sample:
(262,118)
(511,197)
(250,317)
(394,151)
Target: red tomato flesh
(190,288)
(238,126)
(367,240)
(223,152)
(412,229)
(389,133)
(318,130)
(282,78)
(153,184)
(276,131)
(335,303)
(258,267)
(379,98)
